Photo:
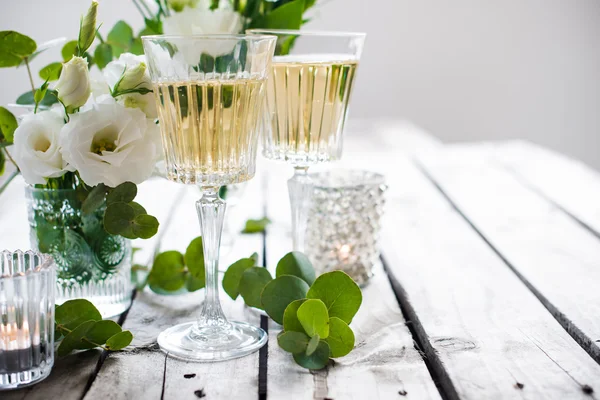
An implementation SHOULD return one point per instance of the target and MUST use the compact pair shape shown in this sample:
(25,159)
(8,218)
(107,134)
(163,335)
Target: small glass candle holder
(27,284)
(344,221)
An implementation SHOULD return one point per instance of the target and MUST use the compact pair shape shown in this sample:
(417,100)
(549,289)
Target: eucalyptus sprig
(79,326)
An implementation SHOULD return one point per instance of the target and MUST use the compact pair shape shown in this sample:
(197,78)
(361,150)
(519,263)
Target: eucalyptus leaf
(341,338)
(51,72)
(312,345)
(103,55)
(8,125)
(339,292)
(144,226)
(125,193)
(136,47)
(297,264)
(254,256)
(287,16)
(233,276)
(120,37)
(72,340)
(14,47)
(290,317)
(315,361)
(69,50)
(94,199)
(293,342)
(168,272)
(279,293)
(27,99)
(98,334)
(252,283)
(256,225)
(119,341)
(192,283)
(2,162)
(138,209)
(314,318)
(118,217)
(73,313)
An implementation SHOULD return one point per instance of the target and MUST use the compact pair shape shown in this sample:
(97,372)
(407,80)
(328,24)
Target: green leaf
(254,256)
(87,30)
(168,272)
(317,360)
(118,217)
(341,338)
(194,258)
(103,55)
(279,293)
(73,339)
(121,37)
(14,47)
(125,193)
(153,27)
(192,283)
(256,225)
(8,125)
(39,95)
(314,318)
(293,342)
(233,276)
(69,50)
(2,162)
(287,16)
(73,313)
(136,47)
(94,199)
(119,341)
(144,226)
(99,334)
(339,292)
(297,264)
(308,4)
(51,72)
(27,99)
(252,283)
(137,208)
(312,345)
(290,317)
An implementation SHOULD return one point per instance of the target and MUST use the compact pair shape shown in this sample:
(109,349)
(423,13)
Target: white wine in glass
(209,90)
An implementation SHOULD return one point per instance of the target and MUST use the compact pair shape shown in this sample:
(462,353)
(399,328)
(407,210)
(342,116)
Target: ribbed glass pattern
(27,283)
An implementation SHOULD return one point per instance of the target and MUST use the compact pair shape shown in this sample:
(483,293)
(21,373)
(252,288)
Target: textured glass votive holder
(344,222)
(27,284)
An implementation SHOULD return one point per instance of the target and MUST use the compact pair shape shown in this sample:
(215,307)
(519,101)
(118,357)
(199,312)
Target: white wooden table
(489,287)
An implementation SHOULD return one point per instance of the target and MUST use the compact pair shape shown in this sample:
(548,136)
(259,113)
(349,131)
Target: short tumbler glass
(344,222)
(27,284)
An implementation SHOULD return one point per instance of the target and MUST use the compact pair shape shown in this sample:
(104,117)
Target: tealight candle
(27,281)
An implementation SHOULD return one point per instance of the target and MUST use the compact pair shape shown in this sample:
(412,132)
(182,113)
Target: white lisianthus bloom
(73,86)
(135,74)
(37,150)
(111,144)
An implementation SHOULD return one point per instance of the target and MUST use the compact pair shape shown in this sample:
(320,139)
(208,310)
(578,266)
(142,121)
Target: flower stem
(83,339)
(30,76)
(139,9)
(10,158)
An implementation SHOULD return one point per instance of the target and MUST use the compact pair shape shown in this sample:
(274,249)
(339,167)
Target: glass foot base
(25,378)
(185,341)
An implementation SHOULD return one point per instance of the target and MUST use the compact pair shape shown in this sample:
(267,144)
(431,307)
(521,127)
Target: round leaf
(125,193)
(26,99)
(137,208)
(317,360)
(290,317)
(341,338)
(103,55)
(73,313)
(233,276)
(118,217)
(167,272)
(144,226)
(314,318)
(99,333)
(119,341)
(14,47)
(312,345)
(51,72)
(8,124)
(72,340)
(68,50)
(252,283)
(256,225)
(293,342)
(297,264)
(339,292)
(279,293)
(192,283)
(194,258)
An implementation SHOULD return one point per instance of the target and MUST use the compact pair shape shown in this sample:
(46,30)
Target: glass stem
(211,212)
(300,188)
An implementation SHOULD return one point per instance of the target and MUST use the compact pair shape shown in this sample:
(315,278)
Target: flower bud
(134,77)
(73,86)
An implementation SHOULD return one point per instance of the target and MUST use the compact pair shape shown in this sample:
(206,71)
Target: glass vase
(90,263)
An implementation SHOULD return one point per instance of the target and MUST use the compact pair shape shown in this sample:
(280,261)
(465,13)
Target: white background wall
(461,69)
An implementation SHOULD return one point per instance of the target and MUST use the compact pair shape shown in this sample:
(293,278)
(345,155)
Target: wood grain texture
(481,323)
(550,252)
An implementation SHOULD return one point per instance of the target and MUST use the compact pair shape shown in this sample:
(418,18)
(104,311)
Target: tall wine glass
(209,92)
(306,106)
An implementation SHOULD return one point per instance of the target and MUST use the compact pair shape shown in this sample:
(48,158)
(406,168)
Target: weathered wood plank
(551,253)
(569,183)
(485,333)
(151,314)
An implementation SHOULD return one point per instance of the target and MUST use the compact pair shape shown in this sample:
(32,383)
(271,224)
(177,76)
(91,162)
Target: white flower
(73,86)
(135,75)
(111,144)
(36,150)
